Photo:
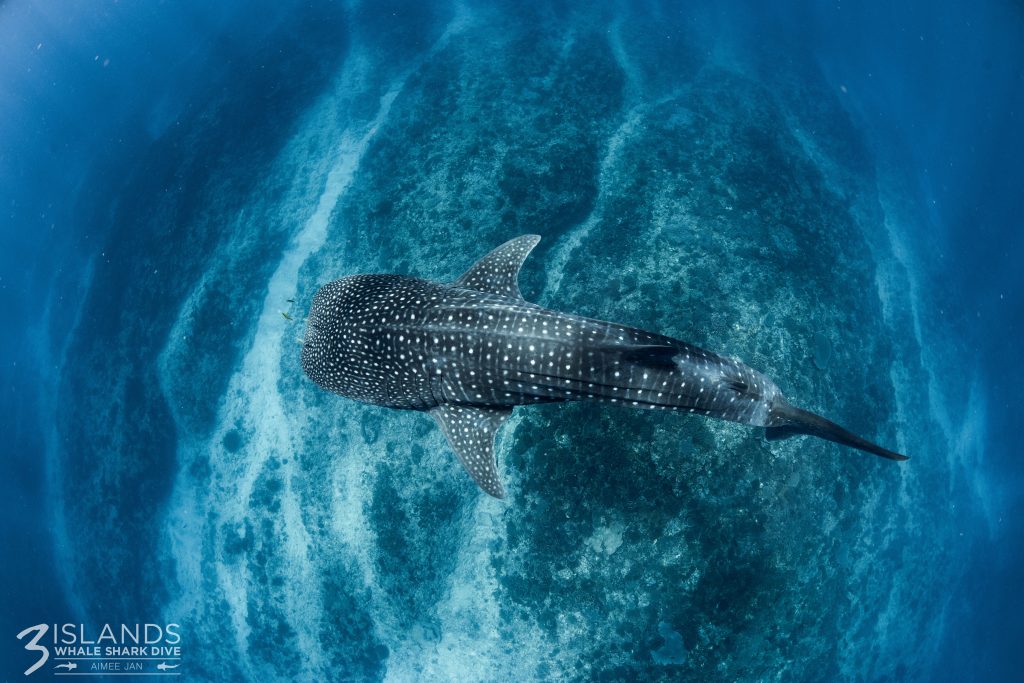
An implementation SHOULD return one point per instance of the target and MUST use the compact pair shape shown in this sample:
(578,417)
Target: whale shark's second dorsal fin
(498,272)
(470,431)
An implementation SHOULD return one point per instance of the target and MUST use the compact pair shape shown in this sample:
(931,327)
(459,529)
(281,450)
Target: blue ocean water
(830,192)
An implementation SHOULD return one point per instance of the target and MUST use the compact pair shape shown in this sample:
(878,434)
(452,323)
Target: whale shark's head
(347,323)
(332,339)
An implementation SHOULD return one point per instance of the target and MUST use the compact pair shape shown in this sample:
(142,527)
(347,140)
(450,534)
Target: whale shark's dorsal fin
(498,272)
(470,431)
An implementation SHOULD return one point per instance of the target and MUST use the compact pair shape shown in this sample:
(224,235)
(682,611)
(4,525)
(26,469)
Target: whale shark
(470,351)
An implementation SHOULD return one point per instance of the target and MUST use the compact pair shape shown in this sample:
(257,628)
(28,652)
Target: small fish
(286,316)
(291,301)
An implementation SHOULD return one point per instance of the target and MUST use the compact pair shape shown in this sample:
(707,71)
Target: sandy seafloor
(720,195)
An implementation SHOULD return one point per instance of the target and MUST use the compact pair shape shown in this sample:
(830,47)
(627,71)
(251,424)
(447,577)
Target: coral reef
(298,536)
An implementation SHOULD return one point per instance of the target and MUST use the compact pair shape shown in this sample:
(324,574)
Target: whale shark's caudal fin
(795,421)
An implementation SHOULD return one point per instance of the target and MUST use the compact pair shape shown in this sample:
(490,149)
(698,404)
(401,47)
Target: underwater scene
(831,194)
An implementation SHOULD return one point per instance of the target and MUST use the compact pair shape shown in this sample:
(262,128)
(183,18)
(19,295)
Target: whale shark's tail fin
(793,421)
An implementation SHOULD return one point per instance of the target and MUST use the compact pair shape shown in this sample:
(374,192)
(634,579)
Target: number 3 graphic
(34,645)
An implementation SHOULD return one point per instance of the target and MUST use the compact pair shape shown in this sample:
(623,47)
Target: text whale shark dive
(470,351)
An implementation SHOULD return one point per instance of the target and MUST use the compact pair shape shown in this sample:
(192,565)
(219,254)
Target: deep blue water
(829,192)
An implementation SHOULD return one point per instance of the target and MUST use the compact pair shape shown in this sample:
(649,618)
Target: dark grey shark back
(470,351)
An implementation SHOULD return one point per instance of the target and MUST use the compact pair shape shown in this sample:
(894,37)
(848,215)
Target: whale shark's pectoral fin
(498,272)
(470,431)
